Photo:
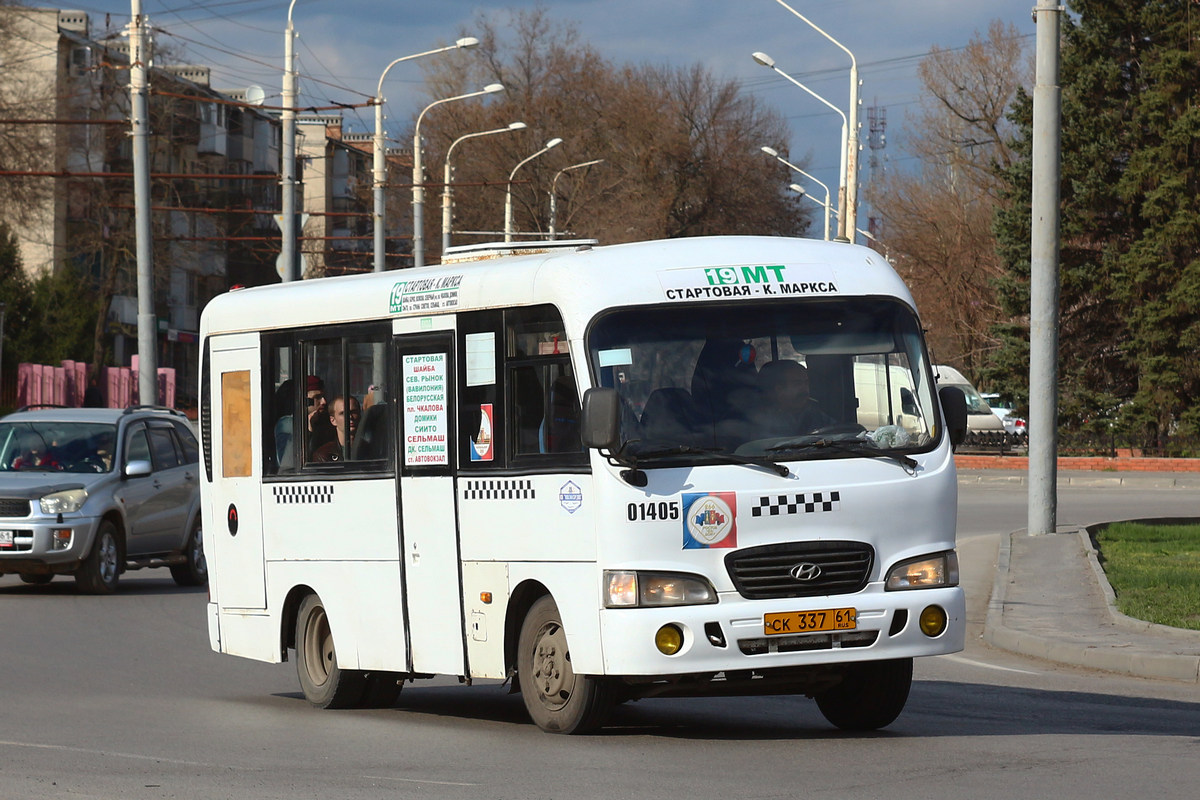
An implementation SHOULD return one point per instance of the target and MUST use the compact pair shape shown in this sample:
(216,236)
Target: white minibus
(600,473)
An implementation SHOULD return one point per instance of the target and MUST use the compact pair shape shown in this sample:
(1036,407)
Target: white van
(980,416)
(712,466)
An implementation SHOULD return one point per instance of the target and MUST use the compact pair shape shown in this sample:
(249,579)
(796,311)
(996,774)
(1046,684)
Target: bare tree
(938,219)
(679,147)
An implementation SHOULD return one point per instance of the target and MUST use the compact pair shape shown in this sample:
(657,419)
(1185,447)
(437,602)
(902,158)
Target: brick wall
(1093,463)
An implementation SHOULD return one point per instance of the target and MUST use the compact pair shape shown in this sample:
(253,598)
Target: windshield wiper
(636,477)
(853,447)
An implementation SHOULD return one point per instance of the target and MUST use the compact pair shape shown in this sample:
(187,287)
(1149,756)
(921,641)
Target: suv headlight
(633,589)
(925,572)
(63,502)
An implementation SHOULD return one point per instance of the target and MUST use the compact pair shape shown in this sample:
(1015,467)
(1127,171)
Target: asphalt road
(120,697)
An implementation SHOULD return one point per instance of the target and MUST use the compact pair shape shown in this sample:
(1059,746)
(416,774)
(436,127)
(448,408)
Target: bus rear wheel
(871,695)
(557,698)
(325,684)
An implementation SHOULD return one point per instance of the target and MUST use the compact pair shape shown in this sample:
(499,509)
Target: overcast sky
(345,44)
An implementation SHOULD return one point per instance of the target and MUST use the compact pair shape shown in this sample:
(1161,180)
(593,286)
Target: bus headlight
(925,572)
(637,589)
(63,502)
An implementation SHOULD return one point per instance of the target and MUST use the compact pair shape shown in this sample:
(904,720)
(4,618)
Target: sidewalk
(1051,599)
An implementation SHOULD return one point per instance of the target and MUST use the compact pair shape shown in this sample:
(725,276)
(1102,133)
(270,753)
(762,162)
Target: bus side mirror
(954,410)
(602,419)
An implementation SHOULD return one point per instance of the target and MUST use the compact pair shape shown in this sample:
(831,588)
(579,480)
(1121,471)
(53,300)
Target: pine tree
(1130,228)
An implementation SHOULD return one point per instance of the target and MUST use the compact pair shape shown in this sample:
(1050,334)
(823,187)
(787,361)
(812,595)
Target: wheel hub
(552,672)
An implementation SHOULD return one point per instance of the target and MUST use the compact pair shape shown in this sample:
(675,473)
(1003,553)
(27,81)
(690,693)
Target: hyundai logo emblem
(805,572)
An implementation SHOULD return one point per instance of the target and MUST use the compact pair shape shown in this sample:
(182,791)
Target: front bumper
(729,635)
(32,549)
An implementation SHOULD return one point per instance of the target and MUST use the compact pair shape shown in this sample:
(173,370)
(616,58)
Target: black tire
(557,698)
(325,684)
(101,569)
(37,580)
(870,696)
(381,689)
(194,571)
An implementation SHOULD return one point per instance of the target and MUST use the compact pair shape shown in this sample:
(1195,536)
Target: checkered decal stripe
(498,490)
(775,505)
(306,493)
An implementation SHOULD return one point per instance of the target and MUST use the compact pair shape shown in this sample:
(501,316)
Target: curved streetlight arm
(379,146)
(771,151)
(554,191)
(463,43)
(508,207)
(447,186)
(418,175)
(852,138)
(853,62)
(844,195)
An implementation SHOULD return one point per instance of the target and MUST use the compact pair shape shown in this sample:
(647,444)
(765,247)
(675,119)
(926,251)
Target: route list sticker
(425,433)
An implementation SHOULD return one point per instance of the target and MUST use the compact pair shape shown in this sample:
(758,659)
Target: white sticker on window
(618,357)
(481,358)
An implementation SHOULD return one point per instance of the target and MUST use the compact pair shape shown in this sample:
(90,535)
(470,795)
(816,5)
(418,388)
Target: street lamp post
(852,141)
(447,190)
(843,188)
(287,178)
(771,151)
(553,190)
(418,180)
(380,152)
(508,208)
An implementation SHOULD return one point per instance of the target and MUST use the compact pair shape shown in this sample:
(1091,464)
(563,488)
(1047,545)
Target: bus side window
(543,400)
(481,405)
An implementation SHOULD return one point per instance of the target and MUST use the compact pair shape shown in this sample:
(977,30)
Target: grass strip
(1154,571)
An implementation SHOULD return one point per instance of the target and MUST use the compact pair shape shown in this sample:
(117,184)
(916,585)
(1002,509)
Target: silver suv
(92,492)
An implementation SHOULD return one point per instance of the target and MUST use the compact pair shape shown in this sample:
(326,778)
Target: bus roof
(581,279)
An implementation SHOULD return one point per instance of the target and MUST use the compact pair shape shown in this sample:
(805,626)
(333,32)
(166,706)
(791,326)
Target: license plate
(827,619)
(6,540)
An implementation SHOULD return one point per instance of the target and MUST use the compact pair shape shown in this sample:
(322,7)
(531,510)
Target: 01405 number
(642,512)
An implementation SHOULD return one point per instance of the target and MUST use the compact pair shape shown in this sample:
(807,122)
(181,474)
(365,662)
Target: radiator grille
(762,573)
(10,507)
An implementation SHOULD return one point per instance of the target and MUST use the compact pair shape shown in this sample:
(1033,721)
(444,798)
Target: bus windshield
(788,380)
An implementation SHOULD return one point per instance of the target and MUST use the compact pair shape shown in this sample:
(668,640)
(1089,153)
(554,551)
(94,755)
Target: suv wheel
(99,572)
(194,571)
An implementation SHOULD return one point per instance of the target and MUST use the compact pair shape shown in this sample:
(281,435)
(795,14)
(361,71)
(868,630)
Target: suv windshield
(789,380)
(57,446)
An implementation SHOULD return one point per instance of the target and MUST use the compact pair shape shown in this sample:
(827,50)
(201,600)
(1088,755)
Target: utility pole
(147,322)
(287,223)
(1044,275)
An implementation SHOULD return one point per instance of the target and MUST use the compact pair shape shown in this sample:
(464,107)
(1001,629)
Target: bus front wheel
(558,699)
(325,684)
(871,695)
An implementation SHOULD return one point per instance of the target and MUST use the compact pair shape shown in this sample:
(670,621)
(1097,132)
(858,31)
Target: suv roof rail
(32,406)
(166,409)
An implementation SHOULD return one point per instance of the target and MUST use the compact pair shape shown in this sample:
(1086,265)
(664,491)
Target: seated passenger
(787,409)
(345,423)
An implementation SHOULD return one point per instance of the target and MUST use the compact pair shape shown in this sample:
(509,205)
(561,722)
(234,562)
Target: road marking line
(417,780)
(135,756)
(974,663)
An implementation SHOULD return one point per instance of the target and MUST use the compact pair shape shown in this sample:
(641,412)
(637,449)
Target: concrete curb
(1093,480)
(1135,661)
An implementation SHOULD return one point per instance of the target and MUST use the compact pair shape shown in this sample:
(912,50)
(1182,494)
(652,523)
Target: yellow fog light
(668,640)
(933,621)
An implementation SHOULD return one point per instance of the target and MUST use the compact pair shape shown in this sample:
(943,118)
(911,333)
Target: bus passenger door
(429,545)
(233,521)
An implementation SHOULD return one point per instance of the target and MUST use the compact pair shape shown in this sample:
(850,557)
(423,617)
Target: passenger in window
(343,417)
(320,431)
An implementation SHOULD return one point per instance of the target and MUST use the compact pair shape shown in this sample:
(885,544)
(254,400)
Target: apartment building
(214,163)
